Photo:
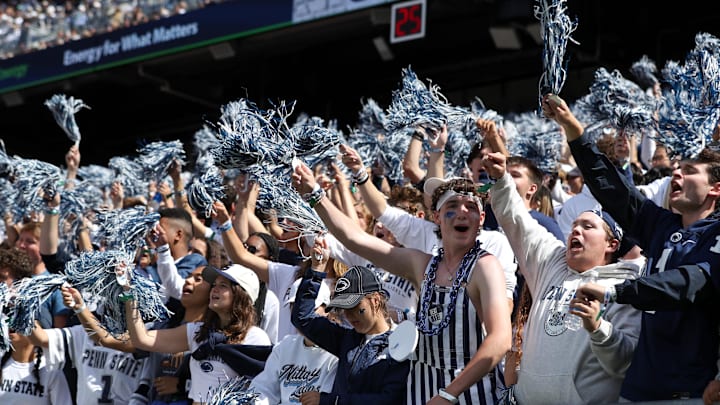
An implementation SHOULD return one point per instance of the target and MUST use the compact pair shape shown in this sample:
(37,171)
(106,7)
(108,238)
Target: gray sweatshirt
(558,365)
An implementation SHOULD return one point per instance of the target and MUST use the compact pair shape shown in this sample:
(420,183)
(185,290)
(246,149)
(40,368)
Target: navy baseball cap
(353,286)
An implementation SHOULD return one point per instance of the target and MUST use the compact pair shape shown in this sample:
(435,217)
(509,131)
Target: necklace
(450,275)
(423,323)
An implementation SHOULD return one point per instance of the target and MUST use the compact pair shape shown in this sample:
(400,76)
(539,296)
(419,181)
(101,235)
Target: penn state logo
(342,284)
(435,314)
(676,237)
(206,367)
(555,323)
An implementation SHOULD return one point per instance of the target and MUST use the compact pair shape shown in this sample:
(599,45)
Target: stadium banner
(212,24)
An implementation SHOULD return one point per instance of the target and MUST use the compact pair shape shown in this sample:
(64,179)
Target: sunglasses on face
(250,248)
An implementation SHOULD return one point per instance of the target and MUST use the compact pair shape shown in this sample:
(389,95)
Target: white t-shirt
(293,369)
(104,375)
(207,374)
(20,387)
(280,280)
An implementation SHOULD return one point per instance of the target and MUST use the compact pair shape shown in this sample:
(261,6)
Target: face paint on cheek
(450,214)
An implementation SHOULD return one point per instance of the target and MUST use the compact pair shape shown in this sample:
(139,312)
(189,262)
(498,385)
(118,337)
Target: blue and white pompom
(63,109)
(288,204)
(644,71)
(315,142)
(157,157)
(130,174)
(204,141)
(95,274)
(691,106)
(541,141)
(72,211)
(622,102)
(125,229)
(235,391)
(7,195)
(415,105)
(102,177)
(33,178)
(31,293)
(556,28)
(205,190)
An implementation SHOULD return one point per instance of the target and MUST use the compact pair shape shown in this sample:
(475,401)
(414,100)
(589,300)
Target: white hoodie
(560,366)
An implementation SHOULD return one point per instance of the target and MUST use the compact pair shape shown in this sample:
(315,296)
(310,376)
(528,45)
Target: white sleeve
(657,190)
(256,336)
(410,231)
(267,383)
(338,251)
(171,280)
(533,244)
(280,277)
(271,316)
(55,357)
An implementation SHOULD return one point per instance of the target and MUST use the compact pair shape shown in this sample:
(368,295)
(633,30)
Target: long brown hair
(242,318)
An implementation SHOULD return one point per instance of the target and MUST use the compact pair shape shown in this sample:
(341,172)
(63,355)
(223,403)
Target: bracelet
(447,396)
(126,296)
(436,150)
(78,310)
(314,196)
(52,211)
(314,201)
(226,226)
(418,136)
(163,248)
(169,195)
(361,178)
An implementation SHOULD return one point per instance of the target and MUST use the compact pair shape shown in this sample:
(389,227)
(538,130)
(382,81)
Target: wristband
(209,234)
(314,196)
(361,178)
(447,396)
(418,136)
(436,150)
(163,248)
(169,195)
(314,201)
(126,296)
(78,310)
(52,211)
(226,226)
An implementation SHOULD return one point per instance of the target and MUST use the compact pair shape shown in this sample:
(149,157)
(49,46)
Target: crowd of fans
(285,262)
(31,25)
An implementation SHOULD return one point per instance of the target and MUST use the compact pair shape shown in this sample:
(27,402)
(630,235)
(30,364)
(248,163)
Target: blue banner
(212,24)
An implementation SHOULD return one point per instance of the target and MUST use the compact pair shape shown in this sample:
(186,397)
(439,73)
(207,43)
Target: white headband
(452,193)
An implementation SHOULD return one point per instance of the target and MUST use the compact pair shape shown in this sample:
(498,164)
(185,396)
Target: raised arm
(373,199)
(73,300)
(72,162)
(436,155)
(607,185)
(172,340)
(411,161)
(49,234)
(407,263)
(236,248)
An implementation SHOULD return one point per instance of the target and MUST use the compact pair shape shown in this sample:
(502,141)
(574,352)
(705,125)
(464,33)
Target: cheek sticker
(450,214)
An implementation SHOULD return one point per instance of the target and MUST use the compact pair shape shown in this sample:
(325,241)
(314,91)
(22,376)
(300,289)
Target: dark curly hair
(408,194)
(17,261)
